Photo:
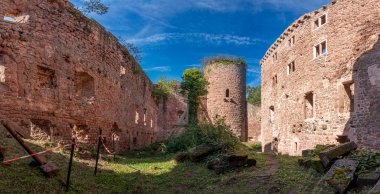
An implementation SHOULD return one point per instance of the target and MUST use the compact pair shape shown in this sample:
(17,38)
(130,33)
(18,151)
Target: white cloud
(204,38)
(158,69)
(194,65)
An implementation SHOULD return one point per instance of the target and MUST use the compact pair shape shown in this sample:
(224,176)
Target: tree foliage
(94,6)
(254,95)
(194,85)
(163,88)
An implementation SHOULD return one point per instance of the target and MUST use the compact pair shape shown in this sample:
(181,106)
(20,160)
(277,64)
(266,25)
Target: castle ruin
(226,96)
(62,74)
(321,80)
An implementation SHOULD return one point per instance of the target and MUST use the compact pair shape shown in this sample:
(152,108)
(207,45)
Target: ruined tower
(226,94)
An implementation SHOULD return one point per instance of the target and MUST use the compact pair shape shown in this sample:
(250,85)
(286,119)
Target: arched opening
(227,93)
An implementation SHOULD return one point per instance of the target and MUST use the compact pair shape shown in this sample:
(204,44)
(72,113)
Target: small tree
(133,49)
(254,95)
(194,85)
(163,88)
(94,6)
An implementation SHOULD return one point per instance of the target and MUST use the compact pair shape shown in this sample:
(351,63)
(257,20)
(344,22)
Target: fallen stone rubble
(346,167)
(223,162)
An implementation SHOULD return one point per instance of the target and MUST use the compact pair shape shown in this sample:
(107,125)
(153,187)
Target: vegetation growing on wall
(195,134)
(221,61)
(194,85)
(163,88)
(94,6)
(254,95)
(132,48)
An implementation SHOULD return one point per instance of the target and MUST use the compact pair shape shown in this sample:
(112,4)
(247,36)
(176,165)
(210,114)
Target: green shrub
(196,134)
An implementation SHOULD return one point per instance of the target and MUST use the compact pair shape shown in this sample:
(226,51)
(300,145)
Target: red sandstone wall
(62,73)
(254,120)
(173,115)
(352,34)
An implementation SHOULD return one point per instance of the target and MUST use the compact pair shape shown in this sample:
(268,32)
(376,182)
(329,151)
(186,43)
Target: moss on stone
(340,177)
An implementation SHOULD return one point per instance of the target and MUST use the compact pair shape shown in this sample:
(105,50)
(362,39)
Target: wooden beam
(12,128)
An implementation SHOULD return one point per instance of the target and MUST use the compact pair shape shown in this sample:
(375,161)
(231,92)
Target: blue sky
(176,34)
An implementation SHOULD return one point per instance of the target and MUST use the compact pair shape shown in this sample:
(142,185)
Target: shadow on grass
(136,172)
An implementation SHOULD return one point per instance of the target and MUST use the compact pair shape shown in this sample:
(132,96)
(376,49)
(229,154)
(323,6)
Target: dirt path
(264,179)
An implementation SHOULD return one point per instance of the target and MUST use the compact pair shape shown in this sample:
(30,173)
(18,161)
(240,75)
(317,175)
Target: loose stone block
(50,169)
(327,156)
(339,177)
(198,153)
(235,161)
(370,178)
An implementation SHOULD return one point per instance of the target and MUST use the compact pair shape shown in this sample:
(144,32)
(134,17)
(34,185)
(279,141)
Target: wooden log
(12,128)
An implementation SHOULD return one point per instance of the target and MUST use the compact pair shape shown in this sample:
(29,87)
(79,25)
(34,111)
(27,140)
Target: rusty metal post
(70,165)
(98,150)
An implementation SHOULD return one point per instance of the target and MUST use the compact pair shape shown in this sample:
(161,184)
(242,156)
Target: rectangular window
(320,49)
(323,20)
(2,73)
(324,48)
(292,41)
(274,57)
(347,97)
(320,21)
(274,79)
(137,117)
(291,67)
(145,116)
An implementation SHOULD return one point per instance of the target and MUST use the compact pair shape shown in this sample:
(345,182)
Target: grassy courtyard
(144,172)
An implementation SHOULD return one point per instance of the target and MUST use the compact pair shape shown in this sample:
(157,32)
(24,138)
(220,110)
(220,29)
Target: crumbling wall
(62,74)
(173,115)
(319,79)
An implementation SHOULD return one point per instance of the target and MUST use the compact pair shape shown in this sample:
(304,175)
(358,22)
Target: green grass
(141,172)
(292,178)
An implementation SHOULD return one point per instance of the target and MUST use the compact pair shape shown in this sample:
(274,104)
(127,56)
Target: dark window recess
(46,78)
(84,84)
(227,93)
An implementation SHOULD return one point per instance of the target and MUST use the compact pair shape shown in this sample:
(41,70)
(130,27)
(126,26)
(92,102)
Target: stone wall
(226,96)
(320,79)
(254,120)
(62,74)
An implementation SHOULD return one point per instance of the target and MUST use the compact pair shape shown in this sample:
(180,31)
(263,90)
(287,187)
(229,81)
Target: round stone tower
(226,96)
